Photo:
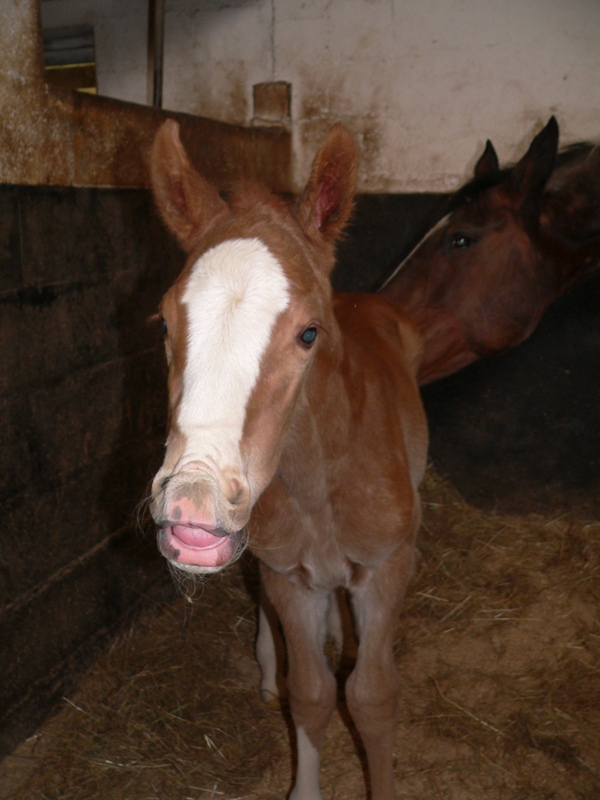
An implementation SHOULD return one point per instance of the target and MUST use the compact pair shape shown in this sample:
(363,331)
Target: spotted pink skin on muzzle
(189,534)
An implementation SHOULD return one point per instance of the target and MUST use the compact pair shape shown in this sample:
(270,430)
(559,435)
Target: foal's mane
(247,195)
(473,190)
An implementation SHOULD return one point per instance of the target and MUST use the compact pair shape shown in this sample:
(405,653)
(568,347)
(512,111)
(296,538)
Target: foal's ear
(488,163)
(527,179)
(326,203)
(185,200)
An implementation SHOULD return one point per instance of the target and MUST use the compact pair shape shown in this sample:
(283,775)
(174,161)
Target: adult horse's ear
(528,178)
(185,200)
(326,203)
(488,163)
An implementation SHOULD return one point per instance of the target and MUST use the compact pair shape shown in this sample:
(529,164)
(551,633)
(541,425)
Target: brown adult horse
(299,413)
(511,243)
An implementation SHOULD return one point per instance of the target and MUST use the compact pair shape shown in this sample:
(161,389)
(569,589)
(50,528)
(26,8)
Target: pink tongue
(195,537)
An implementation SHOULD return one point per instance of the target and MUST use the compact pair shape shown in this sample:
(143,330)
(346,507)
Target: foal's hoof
(270,699)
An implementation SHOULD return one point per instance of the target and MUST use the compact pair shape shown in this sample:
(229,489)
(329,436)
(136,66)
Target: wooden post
(156,37)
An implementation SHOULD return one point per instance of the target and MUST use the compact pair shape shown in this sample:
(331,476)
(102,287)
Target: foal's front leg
(312,688)
(270,650)
(372,688)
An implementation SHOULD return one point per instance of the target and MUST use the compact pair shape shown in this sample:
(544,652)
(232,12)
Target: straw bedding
(498,651)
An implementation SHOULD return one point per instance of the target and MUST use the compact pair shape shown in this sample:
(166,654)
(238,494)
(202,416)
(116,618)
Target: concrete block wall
(82,397)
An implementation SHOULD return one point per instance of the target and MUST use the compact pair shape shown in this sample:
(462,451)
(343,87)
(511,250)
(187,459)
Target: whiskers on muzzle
(144,522)
(190,584)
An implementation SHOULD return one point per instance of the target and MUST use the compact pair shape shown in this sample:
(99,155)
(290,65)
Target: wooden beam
(156,38)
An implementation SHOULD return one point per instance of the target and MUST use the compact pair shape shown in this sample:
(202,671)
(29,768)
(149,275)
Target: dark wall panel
(82,397)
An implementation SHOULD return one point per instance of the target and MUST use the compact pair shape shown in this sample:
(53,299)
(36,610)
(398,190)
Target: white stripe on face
(234,294)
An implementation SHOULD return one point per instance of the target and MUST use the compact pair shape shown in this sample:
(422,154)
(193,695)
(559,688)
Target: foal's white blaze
(234,294)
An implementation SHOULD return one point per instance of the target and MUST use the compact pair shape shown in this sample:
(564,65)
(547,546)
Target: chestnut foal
(297,412)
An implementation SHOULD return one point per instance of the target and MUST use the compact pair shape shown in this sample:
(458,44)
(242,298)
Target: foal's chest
(325,549)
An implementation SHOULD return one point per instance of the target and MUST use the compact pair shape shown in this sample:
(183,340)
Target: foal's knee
(312,696)
(373,700)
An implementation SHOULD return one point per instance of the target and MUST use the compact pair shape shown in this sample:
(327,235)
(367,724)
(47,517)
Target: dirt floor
(498,652)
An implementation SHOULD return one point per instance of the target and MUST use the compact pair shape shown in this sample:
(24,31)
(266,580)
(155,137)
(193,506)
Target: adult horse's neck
(570,220)
(575,258)
(568,260)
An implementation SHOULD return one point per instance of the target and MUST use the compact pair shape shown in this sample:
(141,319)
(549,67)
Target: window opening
(70,58)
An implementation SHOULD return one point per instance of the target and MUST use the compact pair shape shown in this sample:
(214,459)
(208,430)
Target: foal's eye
(164,327)
(308,336)
(459,241)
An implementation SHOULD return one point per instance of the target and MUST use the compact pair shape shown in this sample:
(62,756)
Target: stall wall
(420,84)
(82,395)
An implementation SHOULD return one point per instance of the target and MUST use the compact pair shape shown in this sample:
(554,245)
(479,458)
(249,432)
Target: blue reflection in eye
(308,336)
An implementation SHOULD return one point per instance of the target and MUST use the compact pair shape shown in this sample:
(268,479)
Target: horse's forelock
(255,197)
(474,190)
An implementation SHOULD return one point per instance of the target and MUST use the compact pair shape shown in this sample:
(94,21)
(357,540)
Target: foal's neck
(321,427)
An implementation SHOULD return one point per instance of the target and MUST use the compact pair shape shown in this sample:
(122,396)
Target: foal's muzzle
(199,519)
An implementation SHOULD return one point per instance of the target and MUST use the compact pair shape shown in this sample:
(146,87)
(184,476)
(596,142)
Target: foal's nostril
(236,494)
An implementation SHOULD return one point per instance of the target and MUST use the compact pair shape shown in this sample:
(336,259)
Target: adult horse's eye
(460,240)
(164,327)
(308,336)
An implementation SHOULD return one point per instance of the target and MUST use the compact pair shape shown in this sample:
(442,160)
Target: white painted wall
(420,83)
